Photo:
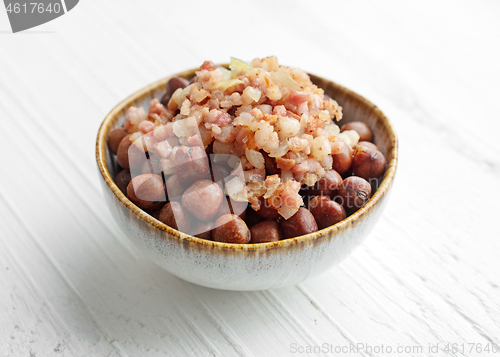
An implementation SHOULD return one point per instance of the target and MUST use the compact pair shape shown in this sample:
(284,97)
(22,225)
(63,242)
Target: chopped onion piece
(229,83)
(234,188)
(327,162)
(254,93)
(244,119)
(281,150)
(350,137)
(303,120)
(325,116)
(181,128)
(216,130)
(256,189)
(332,129)
(135,136)
(309,179)
(287,127)
(255,158)
(286,212)
(200,95)
(265,108)
(180,95)
(321,148)
(238,66)
(227,74)
(284,80)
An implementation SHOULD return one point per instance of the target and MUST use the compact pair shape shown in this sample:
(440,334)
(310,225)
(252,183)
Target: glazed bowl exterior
(247,266)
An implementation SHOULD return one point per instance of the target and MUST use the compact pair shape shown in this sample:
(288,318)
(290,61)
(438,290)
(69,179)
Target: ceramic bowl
(248,266)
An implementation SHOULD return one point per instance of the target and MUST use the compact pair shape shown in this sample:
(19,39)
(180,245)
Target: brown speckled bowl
(248,266)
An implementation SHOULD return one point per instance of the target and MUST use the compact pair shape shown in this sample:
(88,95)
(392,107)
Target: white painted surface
(429,272)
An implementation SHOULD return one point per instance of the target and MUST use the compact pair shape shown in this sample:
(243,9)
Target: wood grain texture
(70,285)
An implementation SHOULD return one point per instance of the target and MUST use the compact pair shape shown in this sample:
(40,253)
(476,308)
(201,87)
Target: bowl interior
(355,107)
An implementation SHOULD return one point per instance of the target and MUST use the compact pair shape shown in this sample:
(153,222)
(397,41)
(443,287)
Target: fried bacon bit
(134,118)
(256,113)
(195,140)
(297,144)
(286,199)
(163,131)
(208,65)
(226,134)
(213,104)
(313,165)
(146,126)
(313,124)
(300,168)
(251,144)
(163,148)
(241,137)
(303,108)
(298,98)
(218,117)
(285,164)
(272,182)
(280,110)
(333,108)
(292,115)
(271,119)
(290,195)
(156,108)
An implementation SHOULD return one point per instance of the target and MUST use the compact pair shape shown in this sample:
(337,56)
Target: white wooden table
(429,273)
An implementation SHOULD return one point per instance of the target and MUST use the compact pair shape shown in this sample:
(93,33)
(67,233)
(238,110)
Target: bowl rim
(111,117)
